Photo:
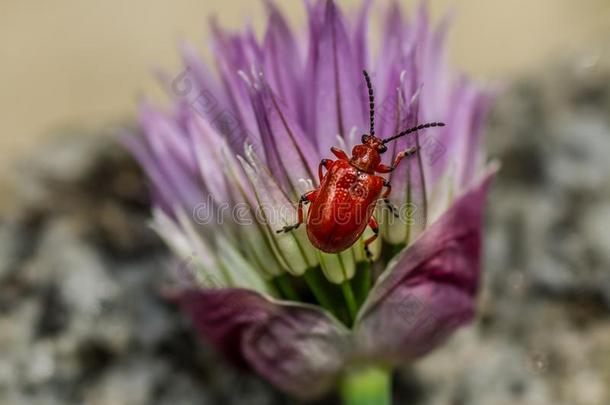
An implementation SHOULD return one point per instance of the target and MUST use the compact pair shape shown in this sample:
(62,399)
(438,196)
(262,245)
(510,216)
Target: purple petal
(236,120)
(315,12)
(207,146)
(283,63)
(268,148)
(429,290)
(289,153)
(197,84)
(166,138)
(163,151)
(360,41)
(162,189)
(438,99)
(337,94)
(388,69)
(472,150)
(298,348)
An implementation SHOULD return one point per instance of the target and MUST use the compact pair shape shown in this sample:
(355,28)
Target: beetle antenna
(369,85)
(414,129)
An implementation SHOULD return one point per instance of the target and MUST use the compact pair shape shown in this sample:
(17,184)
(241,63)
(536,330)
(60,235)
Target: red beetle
(343,205)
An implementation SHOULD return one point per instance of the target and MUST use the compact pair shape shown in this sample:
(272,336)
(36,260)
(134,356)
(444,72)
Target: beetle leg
(375,227)
(306,198)
(385,196)
(324,163)
(339,153)
(381,168)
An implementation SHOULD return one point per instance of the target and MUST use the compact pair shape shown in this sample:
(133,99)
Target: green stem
(286,288)
(318,290)
(369,386)
(410,217)
(361,283)
(350,299)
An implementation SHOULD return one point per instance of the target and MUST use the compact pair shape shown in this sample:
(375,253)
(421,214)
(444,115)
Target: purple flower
(229,161)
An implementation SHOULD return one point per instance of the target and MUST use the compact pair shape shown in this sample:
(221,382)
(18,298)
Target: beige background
(85,62)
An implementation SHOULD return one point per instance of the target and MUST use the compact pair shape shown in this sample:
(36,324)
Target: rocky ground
(83,318)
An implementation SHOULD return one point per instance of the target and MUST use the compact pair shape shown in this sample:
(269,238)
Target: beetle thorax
(365,158)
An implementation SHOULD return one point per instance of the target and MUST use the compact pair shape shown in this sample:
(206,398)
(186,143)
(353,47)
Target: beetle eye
(364,138)
(382,149)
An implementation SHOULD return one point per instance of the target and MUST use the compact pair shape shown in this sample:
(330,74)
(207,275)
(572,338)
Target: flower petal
(183,239)
(290,156)
(236,120)
(299,348)
(207,145)
(292,249)
(162,191)
(244,213)
(387,74)
(197,85)
(428,291)
(240,272)
(360,35)
(161,148)
(283,62)
(336,102)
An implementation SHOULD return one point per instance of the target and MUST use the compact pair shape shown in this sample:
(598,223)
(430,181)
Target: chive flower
(242,141)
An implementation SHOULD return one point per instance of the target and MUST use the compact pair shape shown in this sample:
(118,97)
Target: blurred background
(81,320)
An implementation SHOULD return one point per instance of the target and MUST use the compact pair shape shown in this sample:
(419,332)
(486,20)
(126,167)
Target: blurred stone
(553,137)
(482,371)
(7,250)
(93,181)
(125,384)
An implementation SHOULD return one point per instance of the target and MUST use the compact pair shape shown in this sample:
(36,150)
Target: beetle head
(374,142)
(366,156)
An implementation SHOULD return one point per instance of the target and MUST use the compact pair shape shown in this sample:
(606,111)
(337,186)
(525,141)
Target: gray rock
(476,370)
(7,250)
(553,134)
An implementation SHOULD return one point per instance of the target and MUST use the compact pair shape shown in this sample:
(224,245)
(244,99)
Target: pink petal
(298,348)
(337,88)
(360,36)
(162,149)
(283,63)
(387,72)
(430,289)
(233,54)
(162,189)
(289,153)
